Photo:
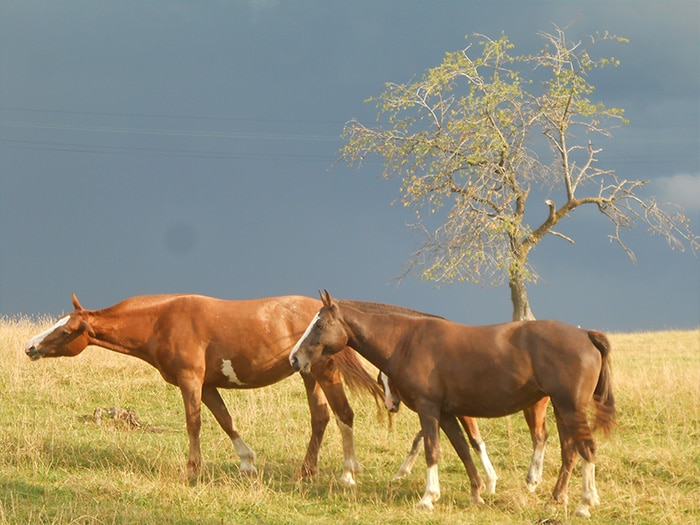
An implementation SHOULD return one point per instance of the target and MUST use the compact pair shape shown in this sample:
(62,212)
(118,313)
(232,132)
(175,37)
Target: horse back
(518,363)
(212,318)
(234,343)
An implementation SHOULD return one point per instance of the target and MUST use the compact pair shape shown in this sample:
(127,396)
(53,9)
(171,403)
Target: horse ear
(327,300)
(76,303)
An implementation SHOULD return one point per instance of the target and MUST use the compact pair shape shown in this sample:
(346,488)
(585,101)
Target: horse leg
(319,421)
(585,444)
(575,435)
(191,390)
(212,399)
(344,417)
(589,494)
(451,427)
(568,456)
(535,416)
(407,465)
(431,440)
(472,429)
(330,381)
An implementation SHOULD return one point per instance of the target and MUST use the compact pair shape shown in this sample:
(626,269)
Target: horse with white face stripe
(443,369)
(201,344)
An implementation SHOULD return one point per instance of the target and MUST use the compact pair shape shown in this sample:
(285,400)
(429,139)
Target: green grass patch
(57,465)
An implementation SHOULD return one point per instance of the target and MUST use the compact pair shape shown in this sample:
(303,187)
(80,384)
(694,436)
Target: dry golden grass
(58,466)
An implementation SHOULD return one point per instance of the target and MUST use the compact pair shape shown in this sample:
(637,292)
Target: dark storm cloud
(188,146)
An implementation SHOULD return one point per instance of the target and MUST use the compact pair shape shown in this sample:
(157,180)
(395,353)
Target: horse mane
(389,309)
(141,302)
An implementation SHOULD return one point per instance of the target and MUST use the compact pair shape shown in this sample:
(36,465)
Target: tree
(466,141)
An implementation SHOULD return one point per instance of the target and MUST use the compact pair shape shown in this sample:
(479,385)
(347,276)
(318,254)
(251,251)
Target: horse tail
(603,395)
(356,376)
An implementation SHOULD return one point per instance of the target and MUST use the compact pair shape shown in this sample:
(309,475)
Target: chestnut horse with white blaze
(443,369)
(535,417)
(200,344)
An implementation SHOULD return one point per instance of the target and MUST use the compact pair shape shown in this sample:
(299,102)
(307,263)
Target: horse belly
(251,360)
(491,399)
(233,373)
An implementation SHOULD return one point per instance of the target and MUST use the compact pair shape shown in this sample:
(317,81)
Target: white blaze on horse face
(228,371)
(39,338)
(303,338)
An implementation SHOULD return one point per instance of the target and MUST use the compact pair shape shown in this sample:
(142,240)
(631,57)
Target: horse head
(67,337)
(324,336)
(392,400)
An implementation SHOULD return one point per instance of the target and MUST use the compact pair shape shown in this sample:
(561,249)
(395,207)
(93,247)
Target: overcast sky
(171,146)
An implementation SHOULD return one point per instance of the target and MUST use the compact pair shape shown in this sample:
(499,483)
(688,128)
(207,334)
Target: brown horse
(443,369)
(200,344)
(534,417)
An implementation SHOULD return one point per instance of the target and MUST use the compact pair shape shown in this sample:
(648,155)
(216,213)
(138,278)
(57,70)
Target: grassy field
(57,465)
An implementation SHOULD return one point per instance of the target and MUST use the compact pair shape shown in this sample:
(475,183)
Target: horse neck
(121,330)
(368,334)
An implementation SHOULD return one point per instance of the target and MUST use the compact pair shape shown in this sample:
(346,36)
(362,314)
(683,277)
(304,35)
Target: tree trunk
(518,296)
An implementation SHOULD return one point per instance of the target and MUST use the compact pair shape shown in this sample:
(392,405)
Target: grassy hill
(58,465)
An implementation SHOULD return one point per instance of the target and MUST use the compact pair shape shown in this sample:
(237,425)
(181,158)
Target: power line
(65,146)
(170,132)
(163,152)
(202,154)
(170,116)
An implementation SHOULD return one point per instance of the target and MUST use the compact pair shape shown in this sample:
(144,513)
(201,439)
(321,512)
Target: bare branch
(557,234)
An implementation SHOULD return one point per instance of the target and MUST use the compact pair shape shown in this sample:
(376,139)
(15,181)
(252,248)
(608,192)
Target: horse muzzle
(392,405)
(33,353)
(297,366)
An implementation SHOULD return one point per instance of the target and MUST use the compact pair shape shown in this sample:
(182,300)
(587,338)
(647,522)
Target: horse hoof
(562,499)
(425,505)
(531,485)
(583,512)
(490,488)
(400,475)
(306,473)
(193,476)
(347,480)
(248,470)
